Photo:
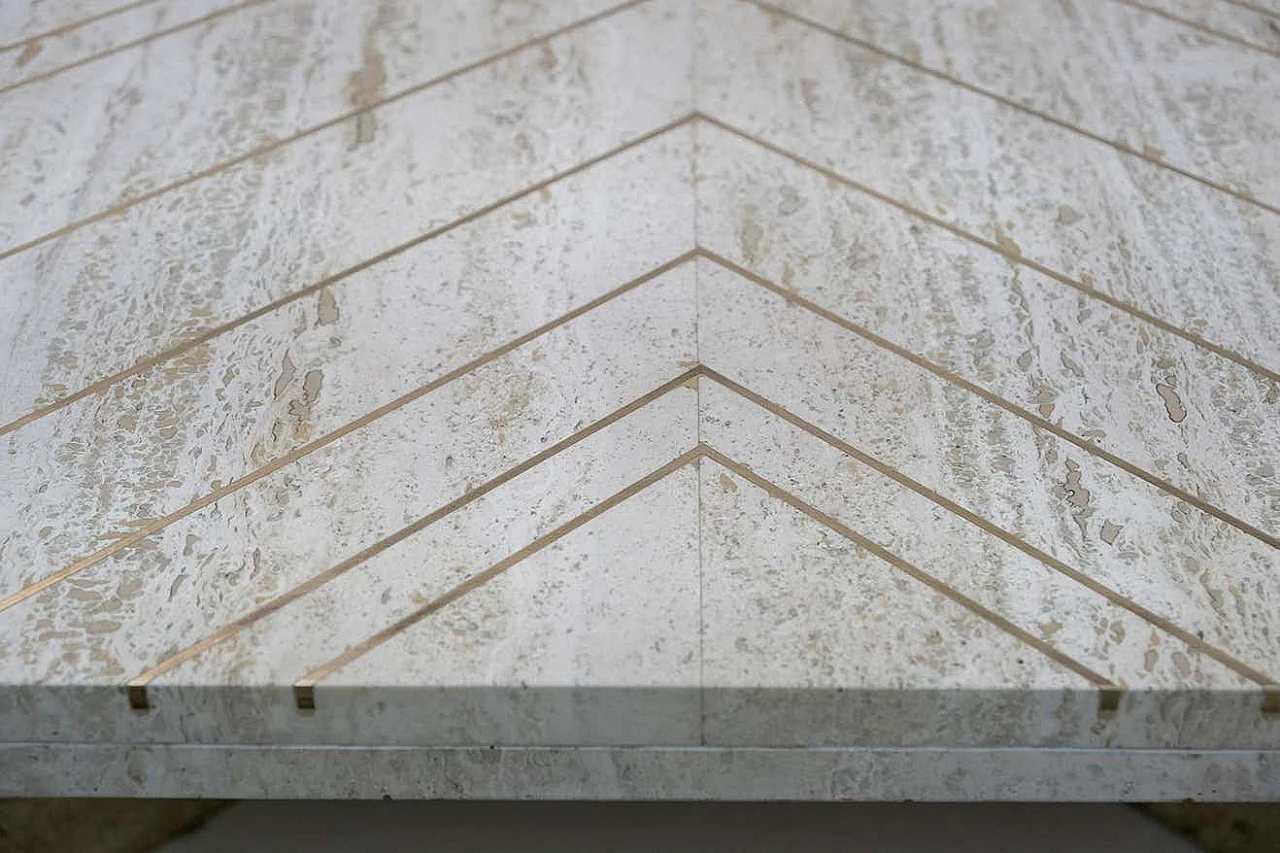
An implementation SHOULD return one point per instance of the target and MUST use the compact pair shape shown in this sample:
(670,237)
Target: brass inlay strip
(1009,102)
(202,337)
(1012,408)
(268,147)
(1196,25)
(159,524)
(897,562)
(129,45)
(304,687)
(65,28)
(697,349)
(1187,637)
(209,334)
(1021,259)
(137,686)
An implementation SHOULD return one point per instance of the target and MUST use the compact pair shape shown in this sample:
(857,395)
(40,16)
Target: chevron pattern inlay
(666,373)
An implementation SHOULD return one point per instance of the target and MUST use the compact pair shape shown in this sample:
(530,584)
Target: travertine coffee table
(666,399)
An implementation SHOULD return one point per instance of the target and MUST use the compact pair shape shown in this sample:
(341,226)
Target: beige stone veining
(89,39)
(1250,24)
(679,374)
(1122,73)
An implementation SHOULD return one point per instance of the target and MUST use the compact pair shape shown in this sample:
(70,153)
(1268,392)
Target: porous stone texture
(675,399)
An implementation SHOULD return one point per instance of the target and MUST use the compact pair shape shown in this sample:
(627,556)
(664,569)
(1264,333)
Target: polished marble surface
(825,387)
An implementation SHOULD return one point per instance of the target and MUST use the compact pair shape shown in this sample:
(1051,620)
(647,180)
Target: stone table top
(660,395)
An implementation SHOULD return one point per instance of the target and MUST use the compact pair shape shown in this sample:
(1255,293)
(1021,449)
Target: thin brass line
(1009,102)
(209,334)
(159,524)
(137,686)
(1196,25)
(65,28)
(303,687)
(924,577)
(268,147)
(1012,408)
(1061,278)
(702,619)
(129,45)
(1191,640)
(697,348)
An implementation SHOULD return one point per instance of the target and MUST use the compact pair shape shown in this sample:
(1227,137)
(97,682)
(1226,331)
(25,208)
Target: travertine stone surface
(1140,80)
(1111,640)
(824,615)
(628,773)
(1173,684)
(112,130)
(1152,398)
(1163,243)
(208,252)
(362,489)
(25,19)
(661,399)
(1222,585)
(48,54)
(1252,24)
(594,639)
(150,445)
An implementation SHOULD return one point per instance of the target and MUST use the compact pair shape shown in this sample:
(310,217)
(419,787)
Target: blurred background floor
(202,826)
(899,828)
(133,826)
